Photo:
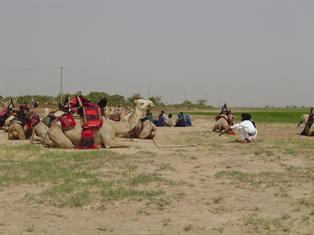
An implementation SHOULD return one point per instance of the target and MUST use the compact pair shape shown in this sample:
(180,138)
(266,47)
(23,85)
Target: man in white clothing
(246,128)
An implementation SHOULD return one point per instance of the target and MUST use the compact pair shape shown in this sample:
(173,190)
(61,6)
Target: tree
(116,100)
(134,97)
(24,99)
(95,96)
(187,104)
(201,103)
(157,100)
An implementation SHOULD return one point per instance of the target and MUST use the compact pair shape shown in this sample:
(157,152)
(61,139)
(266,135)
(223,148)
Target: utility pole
(148,91)
(185,96)
(61,83)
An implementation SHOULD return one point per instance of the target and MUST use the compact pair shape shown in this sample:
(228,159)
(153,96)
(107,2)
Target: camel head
(143,105)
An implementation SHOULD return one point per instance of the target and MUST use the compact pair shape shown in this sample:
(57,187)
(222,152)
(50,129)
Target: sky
(244,52)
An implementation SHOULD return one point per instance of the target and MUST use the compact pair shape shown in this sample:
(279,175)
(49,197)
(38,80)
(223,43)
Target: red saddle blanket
(67,121)
(4,112)
(92,118)
(87,140)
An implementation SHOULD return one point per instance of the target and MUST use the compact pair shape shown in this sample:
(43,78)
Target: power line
(27,69)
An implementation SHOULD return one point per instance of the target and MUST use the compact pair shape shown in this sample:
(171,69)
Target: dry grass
(220,187)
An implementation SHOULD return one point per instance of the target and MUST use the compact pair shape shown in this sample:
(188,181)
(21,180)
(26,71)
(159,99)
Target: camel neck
(135,116)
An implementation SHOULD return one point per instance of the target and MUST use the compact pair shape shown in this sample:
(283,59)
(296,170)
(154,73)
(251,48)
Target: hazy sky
(248,53)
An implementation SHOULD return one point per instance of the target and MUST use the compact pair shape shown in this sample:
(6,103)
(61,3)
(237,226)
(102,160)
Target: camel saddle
(91,117)
(91,121)
(67,121)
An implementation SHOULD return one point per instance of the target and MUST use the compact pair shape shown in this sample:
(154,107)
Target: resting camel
(303,119)
(6,113)
(104,137)
(223,123)
(22,125)
(143,130)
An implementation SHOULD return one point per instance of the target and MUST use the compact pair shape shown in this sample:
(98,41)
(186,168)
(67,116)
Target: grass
(263,115)
(73,178)
(270,178)
(266,224)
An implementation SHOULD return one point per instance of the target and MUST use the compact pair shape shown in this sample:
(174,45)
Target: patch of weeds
(218,199)
(145,179)
(143,212)
(165,222)
(269,178)
(125,193)
(220,229)
(218,209)
(282,192)
(290,151)
(266,224)
(146,153)
(188,228)
(29,228)
(160,203)
(266,152)
(74,178)
(165,167)
(105,229)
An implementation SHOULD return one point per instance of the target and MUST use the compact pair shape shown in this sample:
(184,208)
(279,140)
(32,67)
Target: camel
(43,126)
(221,124)
(22,125)
(224,120)
(104,137)
(117,114)
(123,127)
(7,123)
(303,119)
(143,130)
(5,112)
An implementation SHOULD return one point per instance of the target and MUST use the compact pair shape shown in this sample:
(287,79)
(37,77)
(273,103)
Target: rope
(173,146)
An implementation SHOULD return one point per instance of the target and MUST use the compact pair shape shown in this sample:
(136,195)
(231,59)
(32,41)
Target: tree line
(113,100)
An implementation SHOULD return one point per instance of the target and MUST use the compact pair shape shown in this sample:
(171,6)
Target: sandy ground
(200,202)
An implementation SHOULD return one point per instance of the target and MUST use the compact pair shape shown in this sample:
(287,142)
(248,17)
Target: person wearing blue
(188,120)
(162,119)
(181,120)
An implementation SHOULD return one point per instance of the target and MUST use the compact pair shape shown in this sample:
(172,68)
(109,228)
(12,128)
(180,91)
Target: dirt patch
(218,186)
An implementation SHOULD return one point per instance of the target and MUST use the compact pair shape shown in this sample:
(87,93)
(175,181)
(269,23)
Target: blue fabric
(188,121)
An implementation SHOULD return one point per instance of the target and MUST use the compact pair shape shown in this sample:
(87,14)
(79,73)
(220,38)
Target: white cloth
(246,129)
(165,117)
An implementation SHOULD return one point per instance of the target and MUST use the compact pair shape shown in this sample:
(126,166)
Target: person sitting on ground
(169,122)
(247,128)
(162,119)
(180,122)
(188,120)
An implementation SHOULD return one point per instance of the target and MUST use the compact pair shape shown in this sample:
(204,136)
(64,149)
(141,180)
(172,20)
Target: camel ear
(135,101)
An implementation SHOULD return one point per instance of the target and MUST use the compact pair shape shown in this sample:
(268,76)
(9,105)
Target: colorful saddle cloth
(91,121)
(91,117)
(67,121)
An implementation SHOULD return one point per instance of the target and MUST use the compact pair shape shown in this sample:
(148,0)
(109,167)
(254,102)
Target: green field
(262,115)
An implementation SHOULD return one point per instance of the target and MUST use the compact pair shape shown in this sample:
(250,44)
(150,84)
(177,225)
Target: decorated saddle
(91,117)
(91,121)
(67,121)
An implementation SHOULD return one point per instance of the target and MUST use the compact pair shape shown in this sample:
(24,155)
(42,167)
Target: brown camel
(104,137)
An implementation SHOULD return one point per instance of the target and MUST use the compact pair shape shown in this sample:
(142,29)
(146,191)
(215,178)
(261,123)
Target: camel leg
(16,131)
(46,141)
(33,136)
(20,132)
